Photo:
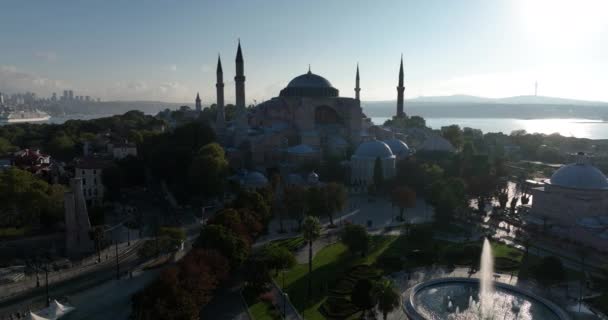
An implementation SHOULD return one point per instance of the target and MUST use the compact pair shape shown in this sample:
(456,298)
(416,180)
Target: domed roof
(309,80)
(254,179)
(436,143)
(398,147)
(373,149)
(309,84)
(579,175)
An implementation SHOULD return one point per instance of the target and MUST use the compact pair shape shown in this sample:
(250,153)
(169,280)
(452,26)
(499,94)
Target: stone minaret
(400,89)
(198,103)
(357,88)
(220,120)
(239,79)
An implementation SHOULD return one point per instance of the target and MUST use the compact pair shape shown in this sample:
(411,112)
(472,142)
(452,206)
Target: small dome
(398,147)
(301,149)
(579,176)
(313,178)
(374,149)
(254,179)
(436,143)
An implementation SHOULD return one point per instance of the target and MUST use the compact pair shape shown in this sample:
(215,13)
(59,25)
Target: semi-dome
(398,147)
(579,176)
(374,149)
(309,84)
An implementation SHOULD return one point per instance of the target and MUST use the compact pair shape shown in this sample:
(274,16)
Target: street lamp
(285,304)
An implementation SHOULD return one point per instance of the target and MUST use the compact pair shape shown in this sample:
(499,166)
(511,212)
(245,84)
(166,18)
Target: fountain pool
(477,299)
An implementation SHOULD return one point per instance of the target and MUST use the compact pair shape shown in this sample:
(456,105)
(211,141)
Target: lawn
(264,311)
(329,265)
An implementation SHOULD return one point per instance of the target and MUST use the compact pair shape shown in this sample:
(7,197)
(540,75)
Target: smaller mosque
(574,202)
(307,122)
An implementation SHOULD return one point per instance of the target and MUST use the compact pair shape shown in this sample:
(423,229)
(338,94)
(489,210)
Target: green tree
(404,197)
(378,173)
(388,298)
(453,134)
(311,231)
(209,169)
(226,242)
(336,197)
(549,271)
(294,198)
(364,295)
(277,257)
(355,237)
(6,146)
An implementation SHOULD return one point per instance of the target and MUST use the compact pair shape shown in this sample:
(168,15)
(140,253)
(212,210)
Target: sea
(574,127)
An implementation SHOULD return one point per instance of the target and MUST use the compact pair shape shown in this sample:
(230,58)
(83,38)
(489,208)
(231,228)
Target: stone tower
(357,88)
(400,89)
(241,112)
(220,119)
(198,103)
(77,224)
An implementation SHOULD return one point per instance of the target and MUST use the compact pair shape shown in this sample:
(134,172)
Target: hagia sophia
(307,122)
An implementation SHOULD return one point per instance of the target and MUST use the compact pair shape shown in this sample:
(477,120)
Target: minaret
(241,112)
(400,89)
(357,88)
(220,120)
(239,79)
(198,103)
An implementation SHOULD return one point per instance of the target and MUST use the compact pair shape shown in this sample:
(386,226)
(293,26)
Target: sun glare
(563,23)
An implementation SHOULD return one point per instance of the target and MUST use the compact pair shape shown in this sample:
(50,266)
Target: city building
(33,161)
(90,171)
(573,204)
(122,150)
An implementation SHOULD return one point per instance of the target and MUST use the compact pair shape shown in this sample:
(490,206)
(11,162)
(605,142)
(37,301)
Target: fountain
(481,299)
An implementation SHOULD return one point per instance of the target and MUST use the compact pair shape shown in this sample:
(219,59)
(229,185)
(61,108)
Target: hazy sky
(167,50)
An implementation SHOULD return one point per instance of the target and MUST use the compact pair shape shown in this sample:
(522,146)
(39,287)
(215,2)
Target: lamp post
(285,304)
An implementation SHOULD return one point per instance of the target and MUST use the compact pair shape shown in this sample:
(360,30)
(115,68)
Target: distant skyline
(166,50)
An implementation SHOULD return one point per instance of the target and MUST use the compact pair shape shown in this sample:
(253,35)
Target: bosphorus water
(572,127)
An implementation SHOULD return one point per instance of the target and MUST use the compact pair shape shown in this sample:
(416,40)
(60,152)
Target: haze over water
(579,128)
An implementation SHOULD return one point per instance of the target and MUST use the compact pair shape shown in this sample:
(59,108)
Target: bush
(355,237)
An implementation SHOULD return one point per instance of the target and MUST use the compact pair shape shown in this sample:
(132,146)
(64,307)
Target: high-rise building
(1,99)
(54,97)
(65,95)
(87,98)
(70,95)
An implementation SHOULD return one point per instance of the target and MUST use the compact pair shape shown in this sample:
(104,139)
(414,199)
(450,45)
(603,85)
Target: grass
(292,244)
(329,264)
(13,232)
(264,311)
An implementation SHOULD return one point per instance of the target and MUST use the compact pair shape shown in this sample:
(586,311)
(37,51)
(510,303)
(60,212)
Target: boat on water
(10,115)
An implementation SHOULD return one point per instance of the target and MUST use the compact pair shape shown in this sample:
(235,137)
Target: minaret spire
(239,82)
(400,89)
(357,88)
(220,118)
(198,103)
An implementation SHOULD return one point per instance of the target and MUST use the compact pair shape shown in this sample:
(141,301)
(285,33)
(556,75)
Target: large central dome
(309,85)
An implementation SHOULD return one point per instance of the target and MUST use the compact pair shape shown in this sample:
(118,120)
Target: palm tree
(388,298)
(311,230)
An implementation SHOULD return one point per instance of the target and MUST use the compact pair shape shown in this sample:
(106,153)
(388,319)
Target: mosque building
(574,203)
(306,122)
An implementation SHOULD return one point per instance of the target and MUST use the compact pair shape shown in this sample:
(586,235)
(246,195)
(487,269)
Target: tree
(378,173)
(364,295)
(277,257)
(549,271)
(311,230)
(404,197)
(388,298)
(295,203)
(335,194)
(208,170)
(226,242)
(453,134)
(355,237)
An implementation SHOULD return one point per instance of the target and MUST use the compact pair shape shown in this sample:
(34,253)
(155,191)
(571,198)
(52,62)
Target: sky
(167,50)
